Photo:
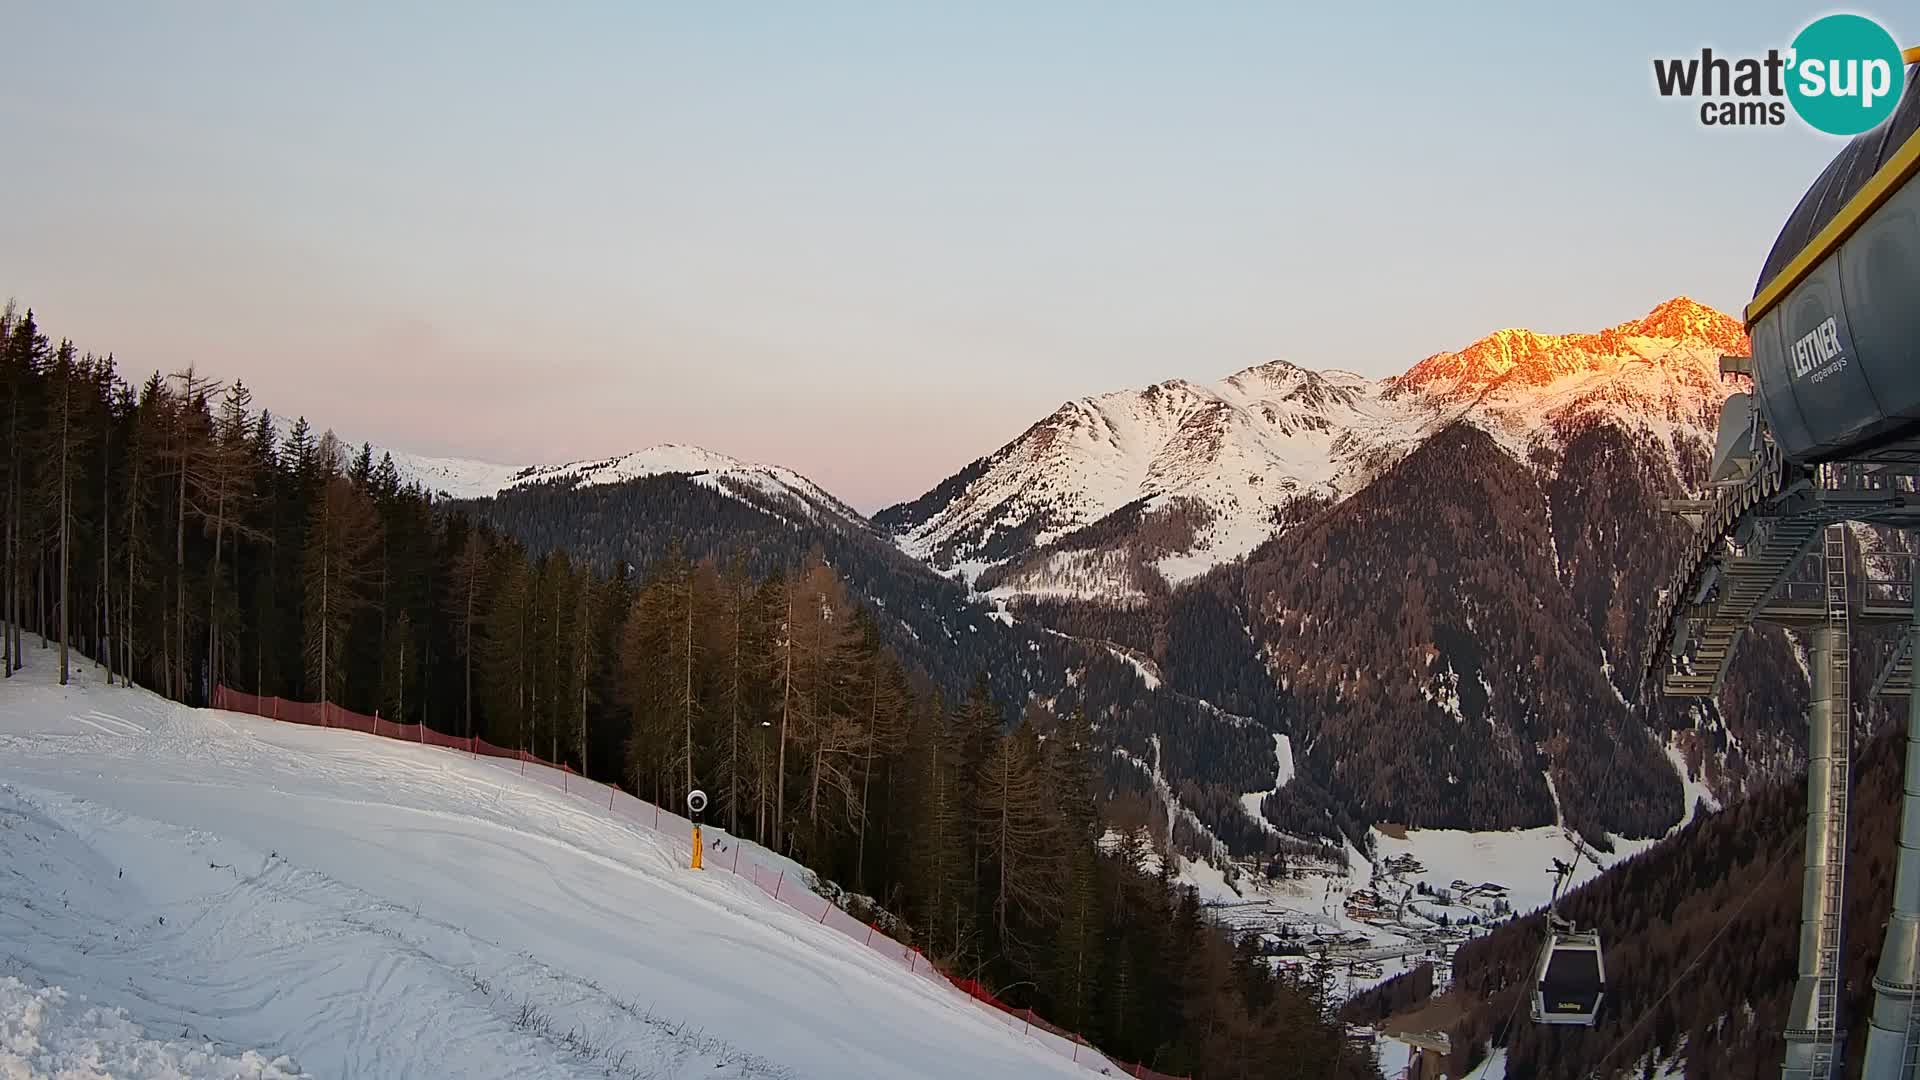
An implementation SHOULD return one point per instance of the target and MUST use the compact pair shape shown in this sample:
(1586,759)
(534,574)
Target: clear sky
(870,241)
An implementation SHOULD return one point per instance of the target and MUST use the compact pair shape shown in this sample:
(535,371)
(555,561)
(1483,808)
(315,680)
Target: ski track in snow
(369,908)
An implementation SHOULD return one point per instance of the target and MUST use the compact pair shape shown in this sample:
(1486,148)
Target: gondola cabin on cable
(1570,980)
(1571,977)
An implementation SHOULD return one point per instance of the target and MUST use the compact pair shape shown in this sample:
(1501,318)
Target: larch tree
(883,717)
(342,533)
(817,718)
(465,600)
(1067,761)
(1021,836)
(189,451)
(27,351)
(66,434)
(737,610)
(224,492)
(504,645)
(584,653)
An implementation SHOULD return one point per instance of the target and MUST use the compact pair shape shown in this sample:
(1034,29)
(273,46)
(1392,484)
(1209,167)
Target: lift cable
(1739,909)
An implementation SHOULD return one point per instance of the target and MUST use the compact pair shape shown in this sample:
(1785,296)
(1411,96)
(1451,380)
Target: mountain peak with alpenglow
(1517,358)
(1185,476)
(1686,319)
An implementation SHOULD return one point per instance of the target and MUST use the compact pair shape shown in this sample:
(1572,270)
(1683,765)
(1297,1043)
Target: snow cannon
(1835,318)
(696,805)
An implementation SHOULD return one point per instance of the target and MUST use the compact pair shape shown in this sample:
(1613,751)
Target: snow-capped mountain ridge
(469,478)
(719,471)
(1517,358)
(1203,474)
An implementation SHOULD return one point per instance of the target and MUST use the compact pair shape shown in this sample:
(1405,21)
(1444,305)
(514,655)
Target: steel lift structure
(1828,435)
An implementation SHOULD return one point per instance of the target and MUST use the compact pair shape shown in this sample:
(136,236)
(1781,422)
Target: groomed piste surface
(232,896)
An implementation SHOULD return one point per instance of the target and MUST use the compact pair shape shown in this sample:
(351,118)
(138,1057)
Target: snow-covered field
(264,899)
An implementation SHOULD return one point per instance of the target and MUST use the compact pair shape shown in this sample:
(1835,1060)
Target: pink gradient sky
(871,242)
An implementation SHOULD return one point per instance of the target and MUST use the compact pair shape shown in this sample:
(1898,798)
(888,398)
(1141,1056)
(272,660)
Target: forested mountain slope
(1701,935)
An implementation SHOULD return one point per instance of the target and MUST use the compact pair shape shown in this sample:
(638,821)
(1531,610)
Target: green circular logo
(1846,76)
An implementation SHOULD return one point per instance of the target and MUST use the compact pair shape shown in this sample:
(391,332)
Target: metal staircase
(1896,671)
(1743,586)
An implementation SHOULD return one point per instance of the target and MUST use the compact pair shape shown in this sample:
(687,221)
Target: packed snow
(370,908)
(1694,789)
(1283,758)
(47,1032)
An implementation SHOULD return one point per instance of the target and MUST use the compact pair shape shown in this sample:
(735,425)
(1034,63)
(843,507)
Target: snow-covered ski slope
(352,906)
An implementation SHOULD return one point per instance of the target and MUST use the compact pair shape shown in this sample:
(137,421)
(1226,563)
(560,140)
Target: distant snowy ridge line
(772,880)
(471,478)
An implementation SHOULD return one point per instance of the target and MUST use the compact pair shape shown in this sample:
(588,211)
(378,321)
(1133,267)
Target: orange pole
(696,846)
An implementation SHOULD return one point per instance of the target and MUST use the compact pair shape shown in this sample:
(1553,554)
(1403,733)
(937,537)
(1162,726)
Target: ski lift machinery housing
(1835,319)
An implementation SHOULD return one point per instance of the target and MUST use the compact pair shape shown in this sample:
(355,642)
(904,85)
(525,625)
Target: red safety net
(772,880)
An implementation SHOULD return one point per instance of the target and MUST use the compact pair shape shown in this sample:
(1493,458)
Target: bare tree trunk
(126,616)
(866,779)
(66,618)
(583,661)
(180,578)
(7,614)
(687,685)
(326,568)
(530,671)
(786,709)
(213,581)
(733,719)
(473,583)
(106,550)
(559,684)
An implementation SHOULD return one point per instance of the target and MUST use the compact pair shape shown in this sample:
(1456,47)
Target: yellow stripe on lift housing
(1892,176)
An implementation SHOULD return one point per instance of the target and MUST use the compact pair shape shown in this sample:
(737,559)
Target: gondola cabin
(1570,981)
